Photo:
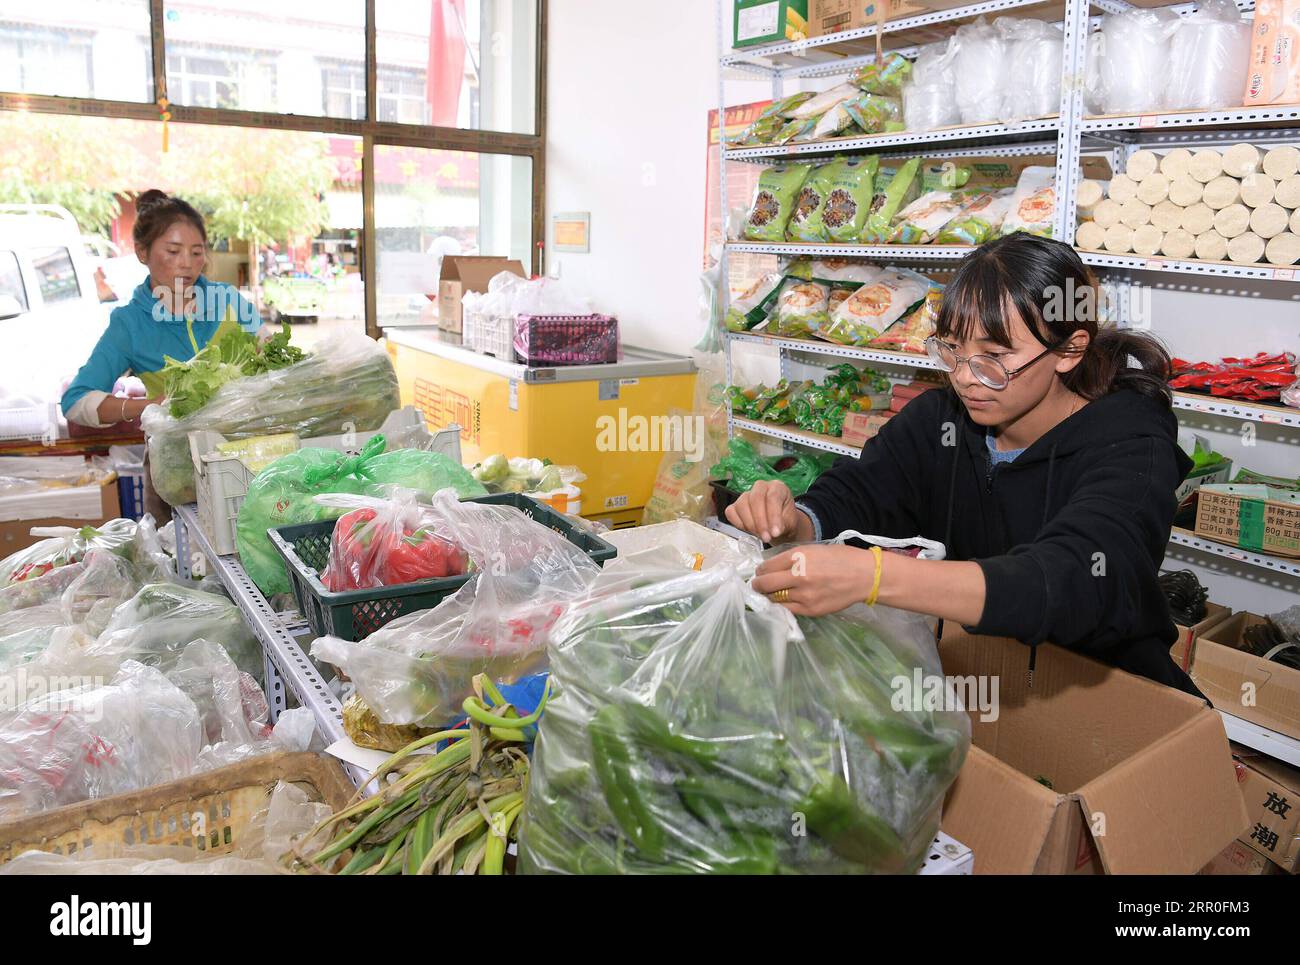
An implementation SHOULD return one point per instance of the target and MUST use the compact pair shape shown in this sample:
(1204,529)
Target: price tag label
(1284,274)
(1155,263)
(1147,120)
(1270,418)
(767,340)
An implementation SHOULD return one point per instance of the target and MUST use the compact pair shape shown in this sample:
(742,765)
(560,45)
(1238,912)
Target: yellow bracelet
(875,580)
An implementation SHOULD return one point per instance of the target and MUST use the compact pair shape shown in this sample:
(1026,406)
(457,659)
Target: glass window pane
(77,48)
(429,203)
(263,55)
(55,276)
(11,280)
(460,63)
(284,226)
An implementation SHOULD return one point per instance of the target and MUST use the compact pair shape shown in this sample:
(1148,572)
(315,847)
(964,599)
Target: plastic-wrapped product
(836,122)
(774,201)
(920,221)
(1033,203)
(818,105)
(833,271)
(388,545)
(929,99)
(806,220)
(801,308)
(1033,89)
(1134,62)
(347,384)
(979,220)
(909,334)
(1208,58)
(850,198)
(419,668)
(875,306)
(693,717)
(979,67)
(95,741)
(681,488)
(895,187)
(874,113)
(884,76)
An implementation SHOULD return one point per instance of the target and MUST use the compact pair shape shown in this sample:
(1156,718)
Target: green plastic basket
(355,614)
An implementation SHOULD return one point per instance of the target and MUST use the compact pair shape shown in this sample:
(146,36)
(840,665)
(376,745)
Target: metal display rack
(288,669)
(1070,135)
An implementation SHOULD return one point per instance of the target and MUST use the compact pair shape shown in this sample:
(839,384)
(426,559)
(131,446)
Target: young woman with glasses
(1047,468)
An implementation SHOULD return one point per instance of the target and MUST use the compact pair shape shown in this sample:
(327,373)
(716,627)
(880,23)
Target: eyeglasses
(989,371)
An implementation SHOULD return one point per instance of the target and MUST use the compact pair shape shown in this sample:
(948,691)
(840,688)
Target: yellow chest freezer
(600,418)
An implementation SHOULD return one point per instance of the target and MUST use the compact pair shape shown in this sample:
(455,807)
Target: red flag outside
(446,74)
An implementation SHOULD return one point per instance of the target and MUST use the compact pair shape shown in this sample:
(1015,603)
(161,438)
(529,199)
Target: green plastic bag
(849,201)
(282,495)
(806,220)
(774,201)
(894,188)
(745,467)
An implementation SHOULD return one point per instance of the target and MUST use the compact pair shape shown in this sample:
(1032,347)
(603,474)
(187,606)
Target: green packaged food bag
(747,310)
(774,201)
(894,187)
(806,222)
(799,129)
(849,201)
(978,221)
(884,76)
(801,308)
(875,114)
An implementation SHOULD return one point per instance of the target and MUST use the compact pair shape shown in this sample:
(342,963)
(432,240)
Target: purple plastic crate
(566,339)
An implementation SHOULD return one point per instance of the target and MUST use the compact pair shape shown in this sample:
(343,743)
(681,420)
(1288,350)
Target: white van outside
(50,312)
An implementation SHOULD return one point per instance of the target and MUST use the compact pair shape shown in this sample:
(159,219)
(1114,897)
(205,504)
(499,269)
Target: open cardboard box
(1184,648)
(1271,790)
(1239,683)
(15,534)
(467,273)
(1142,776)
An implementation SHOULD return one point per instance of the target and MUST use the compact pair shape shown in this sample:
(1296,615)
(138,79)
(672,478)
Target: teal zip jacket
(142,331)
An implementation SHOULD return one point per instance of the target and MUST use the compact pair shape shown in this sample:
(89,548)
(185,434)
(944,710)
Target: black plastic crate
(355,614)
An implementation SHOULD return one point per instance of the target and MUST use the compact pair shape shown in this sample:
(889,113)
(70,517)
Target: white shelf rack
(287,666)
(833,349)
(1270,742)
(997,136)
(790,434)
(1274,564)
(879,252)
(1219,269)
(1138,127)
(1229,408)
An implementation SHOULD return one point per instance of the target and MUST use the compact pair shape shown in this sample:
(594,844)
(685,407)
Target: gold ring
(780,596)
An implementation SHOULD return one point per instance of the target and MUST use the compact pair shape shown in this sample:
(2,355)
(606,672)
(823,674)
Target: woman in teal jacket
(173,313)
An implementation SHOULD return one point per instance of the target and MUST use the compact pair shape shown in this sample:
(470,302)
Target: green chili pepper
(613,756)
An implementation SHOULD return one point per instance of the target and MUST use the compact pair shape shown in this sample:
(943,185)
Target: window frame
(371,131)
(24,297)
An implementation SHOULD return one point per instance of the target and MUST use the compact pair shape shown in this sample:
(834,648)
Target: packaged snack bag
(894,187)
(980,219)
(1033,204)
(849,201)
(806,221)
(801,308)
(752,307)
(773,202)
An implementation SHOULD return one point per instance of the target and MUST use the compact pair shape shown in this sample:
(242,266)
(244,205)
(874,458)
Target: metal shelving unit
(287,667)
(853,352)
(1275,564)
(790,434)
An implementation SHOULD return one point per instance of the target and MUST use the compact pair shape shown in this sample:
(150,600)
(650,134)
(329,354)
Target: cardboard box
(1239,859)
(1142,775)
(833,16)
(1242,684)
(1185,646)
(467,273)
(1273,71)
(861,426)
(1271,790)
(16,534)
(768,21)
(1264,525)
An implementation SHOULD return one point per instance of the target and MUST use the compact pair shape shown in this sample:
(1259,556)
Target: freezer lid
(637,363)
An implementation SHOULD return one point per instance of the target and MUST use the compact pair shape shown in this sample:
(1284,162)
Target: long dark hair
(1044,282)
(156,211)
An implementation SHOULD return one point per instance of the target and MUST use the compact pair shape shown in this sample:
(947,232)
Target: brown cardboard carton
(16,534)
(467,273)
(1185,646)
(1239,683)
(861,426)
(1142,776)
(834,16)
(1239,859)
(1263,525)
(1271,790)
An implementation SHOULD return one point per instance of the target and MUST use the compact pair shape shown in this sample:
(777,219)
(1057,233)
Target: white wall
(628,98)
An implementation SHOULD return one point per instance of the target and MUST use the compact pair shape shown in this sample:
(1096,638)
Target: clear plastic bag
(418,669)
(346,385)
(232,708)
(66,746)
(388,545)
(1033,89)
(1208,58)
(695,726)
(979,66)
(1133,60)
(157,624)
(63,545)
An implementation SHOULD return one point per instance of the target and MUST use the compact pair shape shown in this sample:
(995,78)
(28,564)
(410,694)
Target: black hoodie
(1070,535)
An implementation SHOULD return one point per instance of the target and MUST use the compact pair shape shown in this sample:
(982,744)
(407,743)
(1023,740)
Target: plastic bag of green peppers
(692,718)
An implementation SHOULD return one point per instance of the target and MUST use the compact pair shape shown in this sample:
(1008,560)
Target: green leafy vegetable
(231,354)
